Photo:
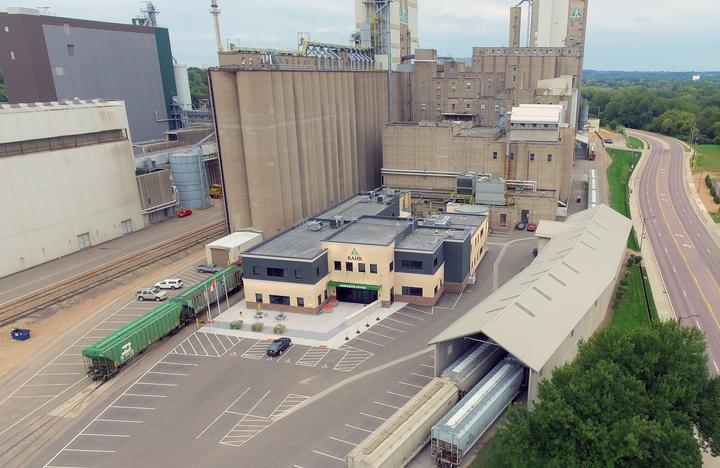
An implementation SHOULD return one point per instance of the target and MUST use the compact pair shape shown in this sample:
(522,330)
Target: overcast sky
(623,34)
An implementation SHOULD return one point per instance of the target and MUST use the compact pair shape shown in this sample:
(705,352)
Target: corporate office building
(362,250)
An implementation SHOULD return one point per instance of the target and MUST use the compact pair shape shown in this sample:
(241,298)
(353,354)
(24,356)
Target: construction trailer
(403,435)
(472,366)
(460,429)
(223,252)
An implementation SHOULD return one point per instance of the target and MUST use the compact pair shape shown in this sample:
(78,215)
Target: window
(503,219)
(412,291)
(361,267)
(326,294)
(319,300)
(60,71)
(512,156)
(435,260)
(549,157)
(301,302)
(514,78)
(84,240)
(338,266)
(436,289)
(71,50)
(438,108)
(482,107)
(423,107)
(411,265)
(467,107)
(317,271)
(437,85)
(281,300)
(572,333)
(392,266)
(423,85)
(277,272)
(66,27)
(532,156)
(126,226)
(452,106)
(373,268)
(494,155)
(437,98)
(468,85)
(348,266)
(258,298)
(497,108)
(298,274)
(256,270)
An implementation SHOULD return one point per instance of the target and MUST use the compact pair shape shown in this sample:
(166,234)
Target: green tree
(707,122)
(3,91)
(198,85)
(674,123)
(631,398)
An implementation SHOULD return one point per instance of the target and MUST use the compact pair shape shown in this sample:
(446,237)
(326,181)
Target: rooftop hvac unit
(391,192)
(371,193)
(429,222)
(380,199)
(337,222)
(314,226)
(444,221)
(365,199)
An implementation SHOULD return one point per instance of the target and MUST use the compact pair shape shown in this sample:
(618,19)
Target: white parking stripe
(400,321)
(359,428)
(103,435)
(117,421)
(410,385)
(422,375)
(380,334)
(329,456)
(398,394)
(409,316)
(132,407)
(179,363)
(167,373)
(373,416)
(89,450)
(145,395)
(154,383)
(385,404)
(390,328)
(371,342)
(343,441)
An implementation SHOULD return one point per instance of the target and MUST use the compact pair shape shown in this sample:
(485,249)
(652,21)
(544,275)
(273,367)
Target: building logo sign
(355,256)
(576,13)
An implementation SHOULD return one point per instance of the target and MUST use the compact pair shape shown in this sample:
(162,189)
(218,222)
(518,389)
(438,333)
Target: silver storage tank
(188,175)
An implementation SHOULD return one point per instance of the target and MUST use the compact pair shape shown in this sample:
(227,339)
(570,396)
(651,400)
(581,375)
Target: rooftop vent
(365,199)
(337,222)
(314,226)
(380,199)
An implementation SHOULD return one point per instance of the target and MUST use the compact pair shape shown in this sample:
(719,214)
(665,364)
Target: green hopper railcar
(197,298)
(104,358)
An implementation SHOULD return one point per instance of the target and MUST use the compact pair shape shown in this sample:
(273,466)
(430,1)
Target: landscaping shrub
(257,326)
(279,329)
(708,181)
(236,324)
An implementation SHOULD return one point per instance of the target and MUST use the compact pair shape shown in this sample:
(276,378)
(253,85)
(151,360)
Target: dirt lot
(699,180)
(50,326)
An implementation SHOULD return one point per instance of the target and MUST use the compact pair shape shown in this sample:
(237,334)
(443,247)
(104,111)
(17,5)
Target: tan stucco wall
(427,282)
(379,255)
(309,292)
(478,247)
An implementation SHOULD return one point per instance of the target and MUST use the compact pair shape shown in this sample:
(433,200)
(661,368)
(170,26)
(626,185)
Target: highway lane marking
(373,416)
(359,429)
(684,294)
(343,441)
(674,270)
(329,456)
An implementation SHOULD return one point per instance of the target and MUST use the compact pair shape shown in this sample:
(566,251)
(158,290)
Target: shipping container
(403,435)
(472,366)
(105,357)
(460,429)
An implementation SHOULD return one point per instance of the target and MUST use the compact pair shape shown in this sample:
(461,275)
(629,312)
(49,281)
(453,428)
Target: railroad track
(54,293)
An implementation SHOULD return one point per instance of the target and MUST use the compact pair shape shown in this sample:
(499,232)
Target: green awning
(367,287)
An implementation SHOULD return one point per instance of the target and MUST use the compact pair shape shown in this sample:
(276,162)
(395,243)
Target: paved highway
(687,255)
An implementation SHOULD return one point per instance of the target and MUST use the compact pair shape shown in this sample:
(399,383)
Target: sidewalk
(662,302)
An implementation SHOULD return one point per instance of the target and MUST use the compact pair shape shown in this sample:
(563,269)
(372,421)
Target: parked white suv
(151,294)
(170,283)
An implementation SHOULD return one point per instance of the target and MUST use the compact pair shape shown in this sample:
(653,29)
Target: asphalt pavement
(688,257)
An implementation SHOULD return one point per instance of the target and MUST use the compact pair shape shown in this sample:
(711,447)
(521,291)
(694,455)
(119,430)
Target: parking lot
(222,396)
(46,390)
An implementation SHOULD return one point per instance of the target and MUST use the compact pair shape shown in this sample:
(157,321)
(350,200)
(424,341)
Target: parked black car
(277,347)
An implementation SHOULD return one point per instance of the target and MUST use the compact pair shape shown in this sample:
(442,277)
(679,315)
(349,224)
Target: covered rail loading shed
(540,315)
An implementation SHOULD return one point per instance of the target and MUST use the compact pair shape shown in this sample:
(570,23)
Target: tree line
(671,104)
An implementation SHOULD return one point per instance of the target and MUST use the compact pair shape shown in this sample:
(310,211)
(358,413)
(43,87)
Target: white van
(154,294)
(170,283)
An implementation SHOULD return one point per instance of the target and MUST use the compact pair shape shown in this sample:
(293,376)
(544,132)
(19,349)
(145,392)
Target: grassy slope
(715,216)
(708,159)
(632,311)
(634,143)
(618,177)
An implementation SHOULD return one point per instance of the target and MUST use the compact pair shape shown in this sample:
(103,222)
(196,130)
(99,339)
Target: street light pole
(642,236)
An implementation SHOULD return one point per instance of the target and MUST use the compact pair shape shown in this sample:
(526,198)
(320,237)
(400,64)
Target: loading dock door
(356,296)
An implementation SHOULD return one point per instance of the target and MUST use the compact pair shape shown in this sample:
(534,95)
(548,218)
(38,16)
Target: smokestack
(215,12)
(515,25)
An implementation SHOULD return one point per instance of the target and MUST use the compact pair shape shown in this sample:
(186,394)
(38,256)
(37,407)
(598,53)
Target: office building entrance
(356,296)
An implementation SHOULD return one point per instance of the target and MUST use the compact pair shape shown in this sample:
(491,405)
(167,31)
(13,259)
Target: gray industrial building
(50,58)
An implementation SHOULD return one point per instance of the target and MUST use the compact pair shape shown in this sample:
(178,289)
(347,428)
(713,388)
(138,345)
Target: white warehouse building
(68,180)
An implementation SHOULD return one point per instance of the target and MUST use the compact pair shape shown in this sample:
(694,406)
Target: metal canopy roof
(532,314)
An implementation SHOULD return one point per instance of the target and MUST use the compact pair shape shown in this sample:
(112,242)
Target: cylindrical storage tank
(182,83)
(189,178)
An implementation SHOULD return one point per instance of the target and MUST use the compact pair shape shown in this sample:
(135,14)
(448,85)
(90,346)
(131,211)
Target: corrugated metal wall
(294,142)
